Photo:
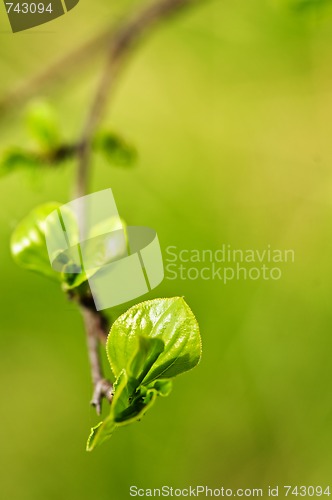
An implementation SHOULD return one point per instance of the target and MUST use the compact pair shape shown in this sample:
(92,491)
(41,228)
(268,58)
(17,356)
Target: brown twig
(96,327)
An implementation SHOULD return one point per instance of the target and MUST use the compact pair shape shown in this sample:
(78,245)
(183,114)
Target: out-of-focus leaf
(14,159)
(43,125)
(115,149)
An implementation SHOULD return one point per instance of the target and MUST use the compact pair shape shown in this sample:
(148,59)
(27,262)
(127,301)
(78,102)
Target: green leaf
(29,249)
(150,343)
(170,320)
(126,408)
(129,396)
(28,244)
(15,159)
(43,125)
(115,149)
(162,386)
(131,400)
(104,244)
(149,349)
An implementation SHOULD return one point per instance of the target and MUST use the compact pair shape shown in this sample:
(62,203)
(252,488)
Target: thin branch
(124,39)
(119,43)
(53,73)
(96,327)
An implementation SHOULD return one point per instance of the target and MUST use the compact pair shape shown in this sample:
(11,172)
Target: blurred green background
(230,108)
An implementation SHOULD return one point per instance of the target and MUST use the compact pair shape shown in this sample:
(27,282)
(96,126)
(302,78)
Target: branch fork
(103,389)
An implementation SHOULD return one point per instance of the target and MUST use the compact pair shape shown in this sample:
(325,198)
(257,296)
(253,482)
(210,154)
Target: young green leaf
(170,320)
(28,245)
(126,408)
(139,402)
(29,249)
(149,344)
(149,350)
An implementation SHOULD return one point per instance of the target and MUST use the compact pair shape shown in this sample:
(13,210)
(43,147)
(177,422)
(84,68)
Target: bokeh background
(229,106)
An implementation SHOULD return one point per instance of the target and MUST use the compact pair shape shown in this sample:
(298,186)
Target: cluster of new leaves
(147,346)
(152,342)
(47,146)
